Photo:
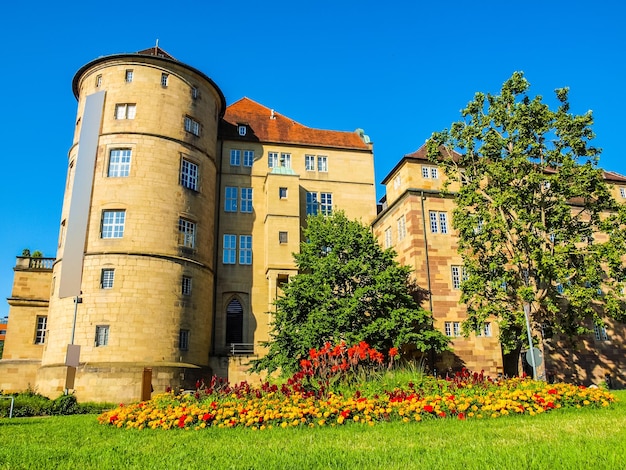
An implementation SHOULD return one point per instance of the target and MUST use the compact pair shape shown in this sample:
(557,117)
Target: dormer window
(242,129)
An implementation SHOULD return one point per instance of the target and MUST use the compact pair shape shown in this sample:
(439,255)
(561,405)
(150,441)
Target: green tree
(537,223)
(348,289)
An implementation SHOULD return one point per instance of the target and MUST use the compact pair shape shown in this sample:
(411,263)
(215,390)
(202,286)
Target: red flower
(305,364)
(442,415)
(428,408)
(552,391)
(393,352)
(181,421)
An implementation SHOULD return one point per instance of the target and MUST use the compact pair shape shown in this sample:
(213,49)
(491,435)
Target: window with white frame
(102,335)
(246,200)
(458,275)
(195,92)
(486,330)
(164,79)
(245,249)
(191,125)
(309,162)
(189,174)
(98,81)
(452,328)
(230,199)
(119,163)
(113,223)
(229,255)
(312,203)
(622,192)
(283,237)
(438,222)
(401,228)
(600,333)
(285,160)
(186,285)
(272,159)
(388,240)
(235,157)
(242,130)
(430,172)
(397,181)
(183,340)
(322,163)
(106,278)
(40,329)
(248,157)
(129,76)
(326,203)
(186,233)
(125,111)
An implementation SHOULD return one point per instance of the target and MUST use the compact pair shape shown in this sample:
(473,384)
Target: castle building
(188,212)
(179,221)
(415,219)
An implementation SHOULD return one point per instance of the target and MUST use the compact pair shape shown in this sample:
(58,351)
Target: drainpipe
(430,296)
(216,241)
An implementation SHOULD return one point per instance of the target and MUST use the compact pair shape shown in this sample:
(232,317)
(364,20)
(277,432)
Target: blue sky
(400,70)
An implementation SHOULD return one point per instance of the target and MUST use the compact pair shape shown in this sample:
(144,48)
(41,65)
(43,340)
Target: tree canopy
(347,289)
(536,220)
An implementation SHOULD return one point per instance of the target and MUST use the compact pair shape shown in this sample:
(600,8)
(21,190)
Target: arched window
(234,322)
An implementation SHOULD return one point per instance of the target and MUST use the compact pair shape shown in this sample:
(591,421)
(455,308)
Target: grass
(562,439)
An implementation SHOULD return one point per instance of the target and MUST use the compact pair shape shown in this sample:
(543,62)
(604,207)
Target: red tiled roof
(266,125)
(157,52)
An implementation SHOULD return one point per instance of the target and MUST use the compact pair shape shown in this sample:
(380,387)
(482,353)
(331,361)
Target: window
(194,92)
(485,330)
(282,193)
(438,222)
(125,111)
(40,332)
(322,163)
(285,160)
(326,203)
(456,276)
(309,162)
(186,285)
(396,182)
(311,203)
(230,201)
(245,249)
(106,278)
(283,237)
(456,328)
(622,192)
(272,159)
(113,224)
(401,228)
(186,233)
(230,249)
(189,175)
(119,163)
(164,79)
(388,240)
(246,200)
(248,157)
(430,172)
(98,81)
(102,335)
(242,130)
(448,328)
(234,322)
(129,76)
(192,126)
(600,333)
(235,157)
(183,340)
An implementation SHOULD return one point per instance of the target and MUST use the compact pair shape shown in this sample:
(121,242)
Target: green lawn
(562,439)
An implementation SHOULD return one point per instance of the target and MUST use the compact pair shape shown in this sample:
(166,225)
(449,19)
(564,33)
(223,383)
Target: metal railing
(241,349)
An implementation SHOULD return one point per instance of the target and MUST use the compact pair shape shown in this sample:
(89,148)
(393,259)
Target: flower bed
(313,397)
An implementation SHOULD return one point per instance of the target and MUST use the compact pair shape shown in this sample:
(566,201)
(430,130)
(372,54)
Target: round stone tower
(137,296)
